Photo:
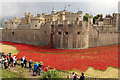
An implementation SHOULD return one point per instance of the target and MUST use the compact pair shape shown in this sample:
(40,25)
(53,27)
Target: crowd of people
(37,66)
(9,60)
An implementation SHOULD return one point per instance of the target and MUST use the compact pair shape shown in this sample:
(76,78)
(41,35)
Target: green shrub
(52,74)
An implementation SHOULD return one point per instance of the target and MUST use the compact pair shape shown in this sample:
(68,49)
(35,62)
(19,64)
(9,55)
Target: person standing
(14,61)
(11,60)
(45,69)
(75,77)
(8,58)
(39,68)
(35,69)
(25,62)
(82,76)
(3,54)
(6,63)
(30,65)
(9,54)
(73,74)
(22,62)
(2,61)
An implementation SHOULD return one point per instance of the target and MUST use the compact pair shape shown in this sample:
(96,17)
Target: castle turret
(65,9)
(25,14)
(90,19)
(53,11)
(117,21)
(63,16)
(29,15)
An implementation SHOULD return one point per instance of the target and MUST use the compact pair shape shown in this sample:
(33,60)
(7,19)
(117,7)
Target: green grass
(15,52)
(110,72)
(9,74)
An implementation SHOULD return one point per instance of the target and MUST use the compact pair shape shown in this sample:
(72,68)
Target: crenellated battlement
(70,31)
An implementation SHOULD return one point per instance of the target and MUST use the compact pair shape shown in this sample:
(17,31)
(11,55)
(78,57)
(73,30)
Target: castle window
(59,33)
(77,19)
(13,33)
(35,25)
(66,33)
(12,22)
(52,26)
(39,21)
(78,33)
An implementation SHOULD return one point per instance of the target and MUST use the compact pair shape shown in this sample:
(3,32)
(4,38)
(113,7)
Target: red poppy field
(63,59)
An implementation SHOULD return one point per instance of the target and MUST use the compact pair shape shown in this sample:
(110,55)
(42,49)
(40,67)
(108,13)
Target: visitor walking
(73,74)
(11,60)
(22,62)
(6,63)
(3,54)
(25,62)
(35,69)
(45,69)
(14,61)
(30,65)
(39,68)
(2,61)
(75,77)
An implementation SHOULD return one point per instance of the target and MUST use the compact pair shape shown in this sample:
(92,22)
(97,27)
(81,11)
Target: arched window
(78,33)
(77,19)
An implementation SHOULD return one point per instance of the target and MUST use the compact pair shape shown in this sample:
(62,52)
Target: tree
(85,17)
(95,18)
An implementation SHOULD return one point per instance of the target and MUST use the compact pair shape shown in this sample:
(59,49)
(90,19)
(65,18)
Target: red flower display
(63,59)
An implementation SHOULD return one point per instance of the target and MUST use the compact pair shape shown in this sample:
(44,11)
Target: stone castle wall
(42,37)
(107,38)
(29,36)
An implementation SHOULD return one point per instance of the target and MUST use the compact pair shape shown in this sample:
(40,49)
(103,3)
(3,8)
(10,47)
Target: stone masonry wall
(42,37)
(29,36)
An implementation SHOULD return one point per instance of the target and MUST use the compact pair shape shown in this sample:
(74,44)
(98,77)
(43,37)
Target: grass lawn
(8,49)
(110,72)
(9,74)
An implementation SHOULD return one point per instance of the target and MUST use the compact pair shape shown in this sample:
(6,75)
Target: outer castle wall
(29,36)
(63,29)
(104,38)
(42,37)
